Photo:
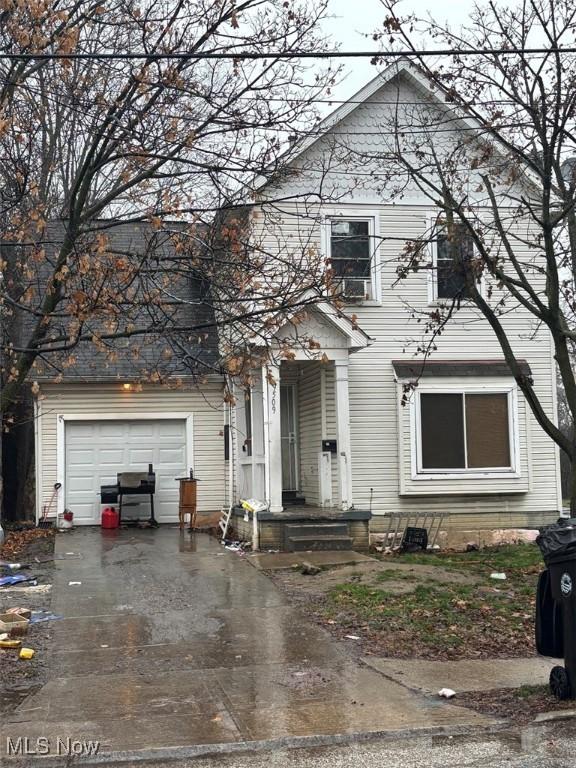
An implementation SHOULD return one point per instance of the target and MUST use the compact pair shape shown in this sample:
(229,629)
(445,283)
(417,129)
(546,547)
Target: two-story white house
(326,437)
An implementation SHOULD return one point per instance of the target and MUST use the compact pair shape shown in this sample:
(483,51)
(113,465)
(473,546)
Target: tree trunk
(573,488)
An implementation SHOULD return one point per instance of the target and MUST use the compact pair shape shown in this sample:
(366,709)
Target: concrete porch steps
(316,529)
(318,543)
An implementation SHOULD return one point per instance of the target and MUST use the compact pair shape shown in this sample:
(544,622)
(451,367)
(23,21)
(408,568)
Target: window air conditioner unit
(356,288)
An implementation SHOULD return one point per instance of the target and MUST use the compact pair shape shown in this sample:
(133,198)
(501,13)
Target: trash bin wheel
(560,683)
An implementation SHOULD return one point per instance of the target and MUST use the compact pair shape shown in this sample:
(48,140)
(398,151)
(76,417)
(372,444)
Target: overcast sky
(354,17)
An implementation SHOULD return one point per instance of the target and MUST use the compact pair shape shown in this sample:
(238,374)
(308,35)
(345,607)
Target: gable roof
(401,66)
(356,337)
(398,67)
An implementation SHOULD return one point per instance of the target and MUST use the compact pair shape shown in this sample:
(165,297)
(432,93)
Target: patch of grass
(511,557)
(528,691)
(445,620)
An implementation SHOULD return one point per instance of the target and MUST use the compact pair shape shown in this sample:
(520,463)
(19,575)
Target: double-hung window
(352,256)
(465,432)
(452,252)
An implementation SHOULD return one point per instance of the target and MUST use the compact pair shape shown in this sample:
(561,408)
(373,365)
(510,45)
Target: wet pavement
(170,641)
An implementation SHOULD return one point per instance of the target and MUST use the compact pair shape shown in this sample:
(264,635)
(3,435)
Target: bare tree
(96,141)
(491,146)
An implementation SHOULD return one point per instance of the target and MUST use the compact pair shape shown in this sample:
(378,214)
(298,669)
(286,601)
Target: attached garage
(87,433)
(96,450)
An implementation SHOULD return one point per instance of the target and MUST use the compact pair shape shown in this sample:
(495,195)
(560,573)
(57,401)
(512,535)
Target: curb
(143,756)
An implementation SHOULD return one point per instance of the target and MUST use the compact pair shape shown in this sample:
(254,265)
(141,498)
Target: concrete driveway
(172,643)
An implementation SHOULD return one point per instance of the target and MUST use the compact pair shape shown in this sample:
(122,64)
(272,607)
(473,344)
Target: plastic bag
(558,539)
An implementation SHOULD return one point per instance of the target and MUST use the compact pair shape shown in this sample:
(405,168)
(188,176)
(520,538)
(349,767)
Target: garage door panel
(112,457)
(139,458)
(173,456)
(96,451)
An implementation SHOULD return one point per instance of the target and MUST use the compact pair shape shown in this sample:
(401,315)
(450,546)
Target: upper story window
(465,432)
(451,252)
(352,251)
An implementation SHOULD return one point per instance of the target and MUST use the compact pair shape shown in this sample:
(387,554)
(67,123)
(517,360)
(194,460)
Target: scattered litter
(32,587)
(472,546)
(24,612)
(39,616)
(18,578)
(104,646)
(26,653)
(498,576)
(4,636)
(307,569)
(446,693)
(352,637)
(10,643)
(11,566)
(238,657)
(74,583)
(13,623)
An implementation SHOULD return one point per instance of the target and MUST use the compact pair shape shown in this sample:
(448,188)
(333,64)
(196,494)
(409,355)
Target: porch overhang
(321,329)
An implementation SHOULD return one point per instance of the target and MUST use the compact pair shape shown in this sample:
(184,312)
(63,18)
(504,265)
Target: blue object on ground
(18,578)
(38,616)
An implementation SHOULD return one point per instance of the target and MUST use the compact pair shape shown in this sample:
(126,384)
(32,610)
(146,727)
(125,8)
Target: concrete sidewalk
(170,641)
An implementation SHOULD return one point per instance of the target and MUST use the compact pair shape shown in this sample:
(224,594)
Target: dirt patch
(18,678)
(399,578)
(432,606)
(518,706)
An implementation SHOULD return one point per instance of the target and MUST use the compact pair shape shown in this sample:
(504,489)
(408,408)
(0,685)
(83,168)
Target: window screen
(464,431)
(487,432)
(452,255)
(350,248)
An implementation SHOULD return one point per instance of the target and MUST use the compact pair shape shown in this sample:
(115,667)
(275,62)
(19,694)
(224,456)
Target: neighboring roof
(414,369)
(168,354)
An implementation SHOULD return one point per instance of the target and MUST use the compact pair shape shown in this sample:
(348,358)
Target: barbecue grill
(131,484)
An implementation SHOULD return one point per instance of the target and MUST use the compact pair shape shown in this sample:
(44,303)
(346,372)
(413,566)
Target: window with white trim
(351,250)
(452,252)
(460,432)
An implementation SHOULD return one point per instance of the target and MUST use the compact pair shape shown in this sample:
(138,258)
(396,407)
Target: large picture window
(465,432)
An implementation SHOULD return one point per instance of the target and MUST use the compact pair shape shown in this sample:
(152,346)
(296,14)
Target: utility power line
(254,55)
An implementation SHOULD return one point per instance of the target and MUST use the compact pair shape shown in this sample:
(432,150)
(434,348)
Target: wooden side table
(188,501)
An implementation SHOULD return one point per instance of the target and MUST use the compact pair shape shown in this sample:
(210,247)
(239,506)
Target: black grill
(131,484)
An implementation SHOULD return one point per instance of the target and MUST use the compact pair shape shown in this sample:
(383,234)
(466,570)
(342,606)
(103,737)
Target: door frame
(62,418)
(294,388)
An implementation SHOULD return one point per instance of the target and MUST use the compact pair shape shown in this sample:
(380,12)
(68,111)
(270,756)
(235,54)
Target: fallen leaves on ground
(18,542)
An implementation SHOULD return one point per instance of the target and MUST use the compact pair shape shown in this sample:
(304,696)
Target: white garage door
(97,450)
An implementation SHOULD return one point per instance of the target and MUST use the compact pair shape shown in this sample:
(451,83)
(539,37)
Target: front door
(289,437)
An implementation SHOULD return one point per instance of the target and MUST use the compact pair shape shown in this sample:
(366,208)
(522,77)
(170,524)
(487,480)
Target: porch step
(316,529)
(317,543)
(291,499)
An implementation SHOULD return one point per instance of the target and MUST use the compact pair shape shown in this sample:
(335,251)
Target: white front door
(96,450)
(289,437)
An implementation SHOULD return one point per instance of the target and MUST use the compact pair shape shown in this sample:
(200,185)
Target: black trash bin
(556,604)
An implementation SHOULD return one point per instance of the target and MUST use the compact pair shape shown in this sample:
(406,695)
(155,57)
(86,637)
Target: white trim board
(62,418)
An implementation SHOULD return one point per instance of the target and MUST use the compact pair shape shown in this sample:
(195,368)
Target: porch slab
(297,513)
(277,561)
(465,675)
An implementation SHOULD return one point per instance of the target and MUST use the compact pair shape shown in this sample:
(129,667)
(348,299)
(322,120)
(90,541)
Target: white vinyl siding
(204,403)
(378,420)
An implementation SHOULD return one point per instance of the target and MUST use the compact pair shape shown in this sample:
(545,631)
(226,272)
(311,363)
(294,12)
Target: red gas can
(110,518)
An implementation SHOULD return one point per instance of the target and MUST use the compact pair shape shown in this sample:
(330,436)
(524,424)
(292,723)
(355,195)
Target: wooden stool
(187,505)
